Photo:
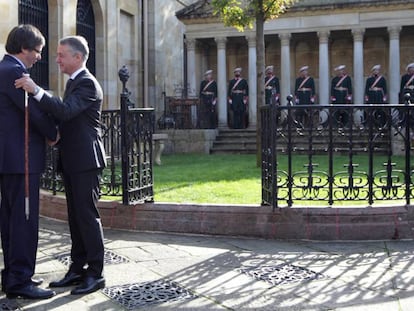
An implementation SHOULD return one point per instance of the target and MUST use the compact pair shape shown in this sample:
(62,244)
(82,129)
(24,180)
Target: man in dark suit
(81,159)
(19,234)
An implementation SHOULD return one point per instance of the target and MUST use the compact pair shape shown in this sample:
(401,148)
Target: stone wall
(379,223)
(189,141)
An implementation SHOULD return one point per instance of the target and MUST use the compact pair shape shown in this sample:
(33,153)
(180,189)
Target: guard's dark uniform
(304,95)
(376,93)
(237,94)
(272,90)
(208,95)
(341,93)
(341,90)
(407,86)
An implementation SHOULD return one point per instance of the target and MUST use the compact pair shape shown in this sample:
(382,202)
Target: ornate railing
(127,137)
(331,154)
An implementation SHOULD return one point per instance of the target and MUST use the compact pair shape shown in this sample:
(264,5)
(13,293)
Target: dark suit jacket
(79,113)
(12,123)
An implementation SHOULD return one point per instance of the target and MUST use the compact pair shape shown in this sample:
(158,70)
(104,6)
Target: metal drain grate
(110,258)
(9,305)
(148,293)
(281,274)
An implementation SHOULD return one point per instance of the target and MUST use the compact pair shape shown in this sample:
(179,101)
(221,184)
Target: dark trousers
(19,236)
(82,194)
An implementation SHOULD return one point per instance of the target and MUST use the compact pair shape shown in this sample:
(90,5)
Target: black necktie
(68,84)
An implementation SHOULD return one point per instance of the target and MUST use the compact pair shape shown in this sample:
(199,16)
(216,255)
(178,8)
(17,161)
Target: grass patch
(234,179)
(200,178)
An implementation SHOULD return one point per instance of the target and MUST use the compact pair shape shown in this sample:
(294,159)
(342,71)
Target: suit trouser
(19,236)
(82,195)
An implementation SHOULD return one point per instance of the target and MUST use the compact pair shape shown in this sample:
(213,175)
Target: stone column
(324,85)
(221,82)
(191,63)
(394,78)
(358,83)
(251,39)
(285,89)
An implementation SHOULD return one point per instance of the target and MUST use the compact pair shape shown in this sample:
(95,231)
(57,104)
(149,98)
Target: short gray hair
(78,44)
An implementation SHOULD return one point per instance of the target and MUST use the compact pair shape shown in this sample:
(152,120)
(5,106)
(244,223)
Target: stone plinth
(189,140)
(377,223)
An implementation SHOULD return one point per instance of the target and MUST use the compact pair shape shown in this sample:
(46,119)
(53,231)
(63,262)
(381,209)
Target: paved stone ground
(157,271)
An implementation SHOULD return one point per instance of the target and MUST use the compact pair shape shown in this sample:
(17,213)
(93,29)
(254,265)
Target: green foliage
(241,14)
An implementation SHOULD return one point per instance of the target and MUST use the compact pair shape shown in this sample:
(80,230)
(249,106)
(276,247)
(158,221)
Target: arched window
(85,26)
(35,12)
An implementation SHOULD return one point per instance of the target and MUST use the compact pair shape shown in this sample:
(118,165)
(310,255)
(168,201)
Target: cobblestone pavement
(160,271)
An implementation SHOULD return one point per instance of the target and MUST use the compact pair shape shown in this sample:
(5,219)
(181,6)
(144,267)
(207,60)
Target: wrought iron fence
(331,154)
(127,137)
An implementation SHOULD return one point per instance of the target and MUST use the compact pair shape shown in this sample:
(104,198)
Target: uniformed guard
(272,89)
(304,92)
(341,93)
(341,87)
(376,87)
(376,93)
(407,83)
(208,100)
(238,94)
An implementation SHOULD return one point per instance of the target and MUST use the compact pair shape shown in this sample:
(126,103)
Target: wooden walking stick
(26,155)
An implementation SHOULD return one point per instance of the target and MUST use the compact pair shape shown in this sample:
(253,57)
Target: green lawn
(230,179)
(199,178)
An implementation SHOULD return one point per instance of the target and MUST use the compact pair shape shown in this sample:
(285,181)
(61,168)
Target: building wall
(114,46)
(167,68)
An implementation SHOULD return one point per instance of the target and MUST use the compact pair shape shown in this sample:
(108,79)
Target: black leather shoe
(71,278)
(37,282)
(31,292)
(89,285)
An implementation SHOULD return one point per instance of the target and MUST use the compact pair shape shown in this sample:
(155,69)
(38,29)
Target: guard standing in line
(376,87)
(304,92)
(272,89)
(407,83)
(376,93)
(208,100)
(341,93)
(341,87)
(238,94)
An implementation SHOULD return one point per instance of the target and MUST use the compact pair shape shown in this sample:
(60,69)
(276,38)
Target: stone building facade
(168,45)
(117,37)
(320,34)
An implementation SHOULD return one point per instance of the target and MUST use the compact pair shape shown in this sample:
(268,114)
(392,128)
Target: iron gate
(127,137)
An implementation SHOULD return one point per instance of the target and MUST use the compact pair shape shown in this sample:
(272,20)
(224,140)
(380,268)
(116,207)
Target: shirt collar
(75,74)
